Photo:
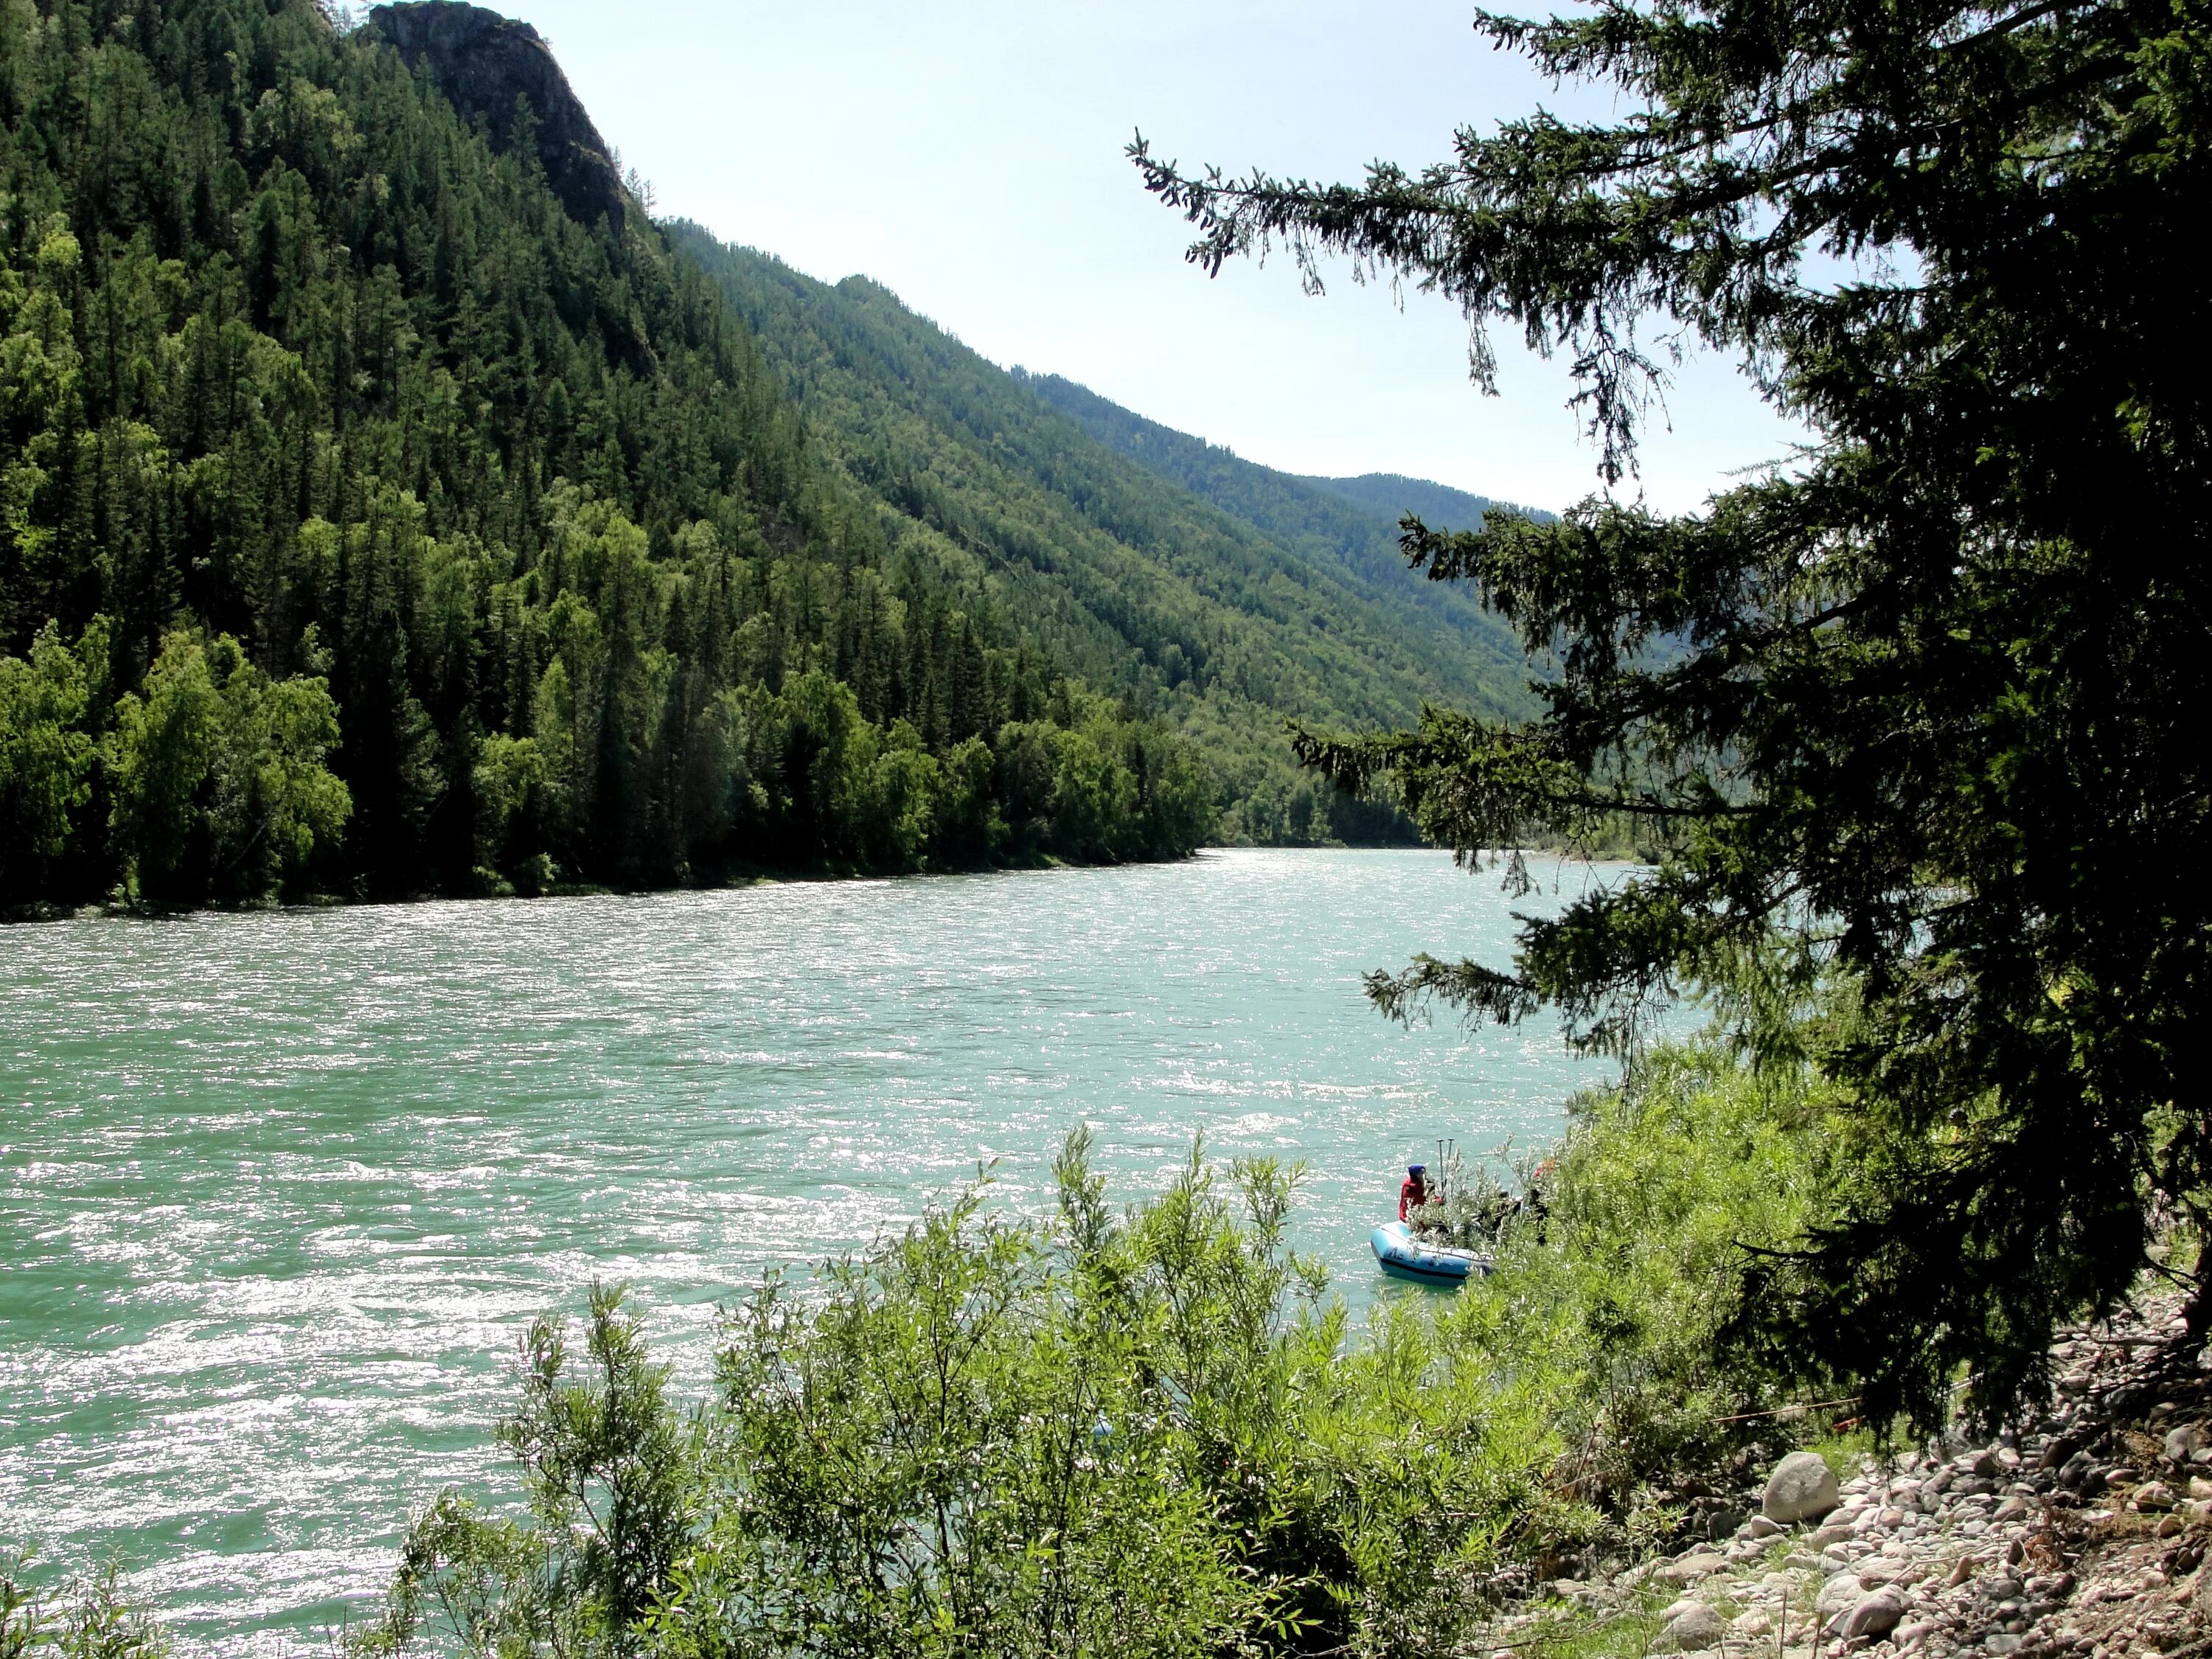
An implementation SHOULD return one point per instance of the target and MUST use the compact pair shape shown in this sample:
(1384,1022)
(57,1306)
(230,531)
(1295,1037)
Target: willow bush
(86,1617)
(1658,1199)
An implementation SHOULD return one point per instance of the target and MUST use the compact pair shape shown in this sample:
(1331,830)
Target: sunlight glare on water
(279,1191)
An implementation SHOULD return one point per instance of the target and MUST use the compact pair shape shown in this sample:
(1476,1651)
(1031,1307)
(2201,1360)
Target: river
(278,1191)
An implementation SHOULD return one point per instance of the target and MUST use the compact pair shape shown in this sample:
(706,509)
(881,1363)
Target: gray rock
(1759,1526)
(1844,1589)
(1871,1616)
(1689,1569)
(2183,1442)
(481,62)
(1802,1488)
(1696,1628)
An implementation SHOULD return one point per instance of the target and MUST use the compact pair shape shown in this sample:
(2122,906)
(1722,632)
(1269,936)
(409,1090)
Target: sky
(967,155)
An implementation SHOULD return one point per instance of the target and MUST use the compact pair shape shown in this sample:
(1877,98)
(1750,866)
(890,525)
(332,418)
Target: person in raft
(1415,1191)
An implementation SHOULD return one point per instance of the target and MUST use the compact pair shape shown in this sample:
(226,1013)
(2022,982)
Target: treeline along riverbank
(386,511)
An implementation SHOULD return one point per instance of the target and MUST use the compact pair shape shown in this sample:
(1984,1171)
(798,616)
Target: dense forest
(371,524)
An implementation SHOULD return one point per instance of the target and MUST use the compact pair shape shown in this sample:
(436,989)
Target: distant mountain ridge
(1353,522)
(1394,494)
(1226,604)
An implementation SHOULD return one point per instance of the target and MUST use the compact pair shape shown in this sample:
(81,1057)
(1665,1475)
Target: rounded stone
(1843,1591)
(1695,1629)
(1689,1569)
(1802,1488)
(1872,1616)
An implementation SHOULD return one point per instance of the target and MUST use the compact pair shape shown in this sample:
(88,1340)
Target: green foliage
(608,1472)
(1147,1429)
(1137,1430)
(1919,717)
(293,358)
(1654,1206)
(216,776)
(87,1617)
(46,750)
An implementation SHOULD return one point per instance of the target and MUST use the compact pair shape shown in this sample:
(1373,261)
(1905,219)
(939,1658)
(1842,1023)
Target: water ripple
(279,1192)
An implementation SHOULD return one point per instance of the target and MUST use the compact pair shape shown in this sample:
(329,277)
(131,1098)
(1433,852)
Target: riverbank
(2086,1534)
(45,910)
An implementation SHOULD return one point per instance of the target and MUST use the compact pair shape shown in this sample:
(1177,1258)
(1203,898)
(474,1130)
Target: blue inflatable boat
(1403,1256)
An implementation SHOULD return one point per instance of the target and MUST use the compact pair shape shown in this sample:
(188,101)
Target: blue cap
(1415,1168)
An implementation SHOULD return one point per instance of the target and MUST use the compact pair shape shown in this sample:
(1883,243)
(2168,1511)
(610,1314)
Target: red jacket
(1414,1192)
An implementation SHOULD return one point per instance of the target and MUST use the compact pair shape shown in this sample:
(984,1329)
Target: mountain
(1347,523)
(386,509)
(387,505)
(1224,607)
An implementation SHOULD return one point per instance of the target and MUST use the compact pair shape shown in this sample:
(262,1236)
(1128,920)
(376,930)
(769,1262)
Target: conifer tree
(1913,725)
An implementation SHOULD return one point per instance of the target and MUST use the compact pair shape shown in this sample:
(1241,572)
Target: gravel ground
(2086,1537)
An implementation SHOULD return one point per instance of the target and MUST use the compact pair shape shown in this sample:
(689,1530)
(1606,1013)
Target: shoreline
(40,912)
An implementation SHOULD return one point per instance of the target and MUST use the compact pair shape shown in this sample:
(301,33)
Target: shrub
(1623,1283)
(1148,1429)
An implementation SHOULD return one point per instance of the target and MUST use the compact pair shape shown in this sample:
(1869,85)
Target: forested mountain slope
(1348,525)
(1224,612)
(385,508)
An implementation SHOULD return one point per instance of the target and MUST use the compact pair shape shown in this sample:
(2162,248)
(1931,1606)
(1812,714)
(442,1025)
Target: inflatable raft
(1403,1256)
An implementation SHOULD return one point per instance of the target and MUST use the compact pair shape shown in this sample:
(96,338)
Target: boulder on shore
(1802,1488)
(1842,1590)
(1872,1616)
(1689,1569)
(1695,1629)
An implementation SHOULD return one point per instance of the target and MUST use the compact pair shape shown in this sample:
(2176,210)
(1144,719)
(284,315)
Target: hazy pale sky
(967,155)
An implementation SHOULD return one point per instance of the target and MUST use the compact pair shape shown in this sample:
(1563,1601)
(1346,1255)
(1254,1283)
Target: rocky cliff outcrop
(483,62)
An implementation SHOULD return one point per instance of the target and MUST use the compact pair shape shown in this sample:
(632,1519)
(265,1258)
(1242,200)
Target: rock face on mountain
(483,63)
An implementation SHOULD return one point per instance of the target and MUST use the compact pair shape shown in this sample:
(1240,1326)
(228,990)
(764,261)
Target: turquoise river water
(278,1191)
